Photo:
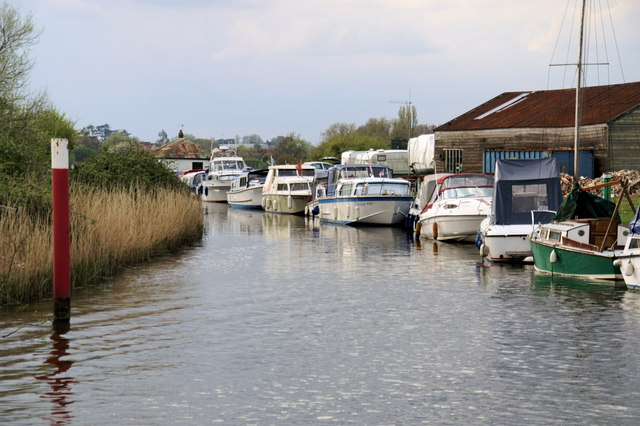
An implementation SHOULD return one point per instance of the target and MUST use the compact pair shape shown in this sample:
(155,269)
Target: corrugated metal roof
(180,148)
(549,108)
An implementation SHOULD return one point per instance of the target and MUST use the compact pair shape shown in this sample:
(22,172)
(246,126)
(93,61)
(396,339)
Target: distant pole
(61,243)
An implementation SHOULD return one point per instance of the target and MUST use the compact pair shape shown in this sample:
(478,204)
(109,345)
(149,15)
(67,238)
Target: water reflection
(59,380)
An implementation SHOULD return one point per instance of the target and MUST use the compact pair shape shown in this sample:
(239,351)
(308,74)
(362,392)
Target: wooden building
(541,124)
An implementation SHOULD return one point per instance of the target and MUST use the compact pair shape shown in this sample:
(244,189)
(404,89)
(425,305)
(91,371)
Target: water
(276,320)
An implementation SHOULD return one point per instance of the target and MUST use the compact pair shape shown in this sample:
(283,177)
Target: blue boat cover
(634,226)
(522,186)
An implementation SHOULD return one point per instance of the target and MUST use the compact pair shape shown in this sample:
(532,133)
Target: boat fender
(435,231)
(306,210)
(418,229)
(553,257)
(484,251)
(357,213)
(206,191)
(617,263)
(289,202)
(628,270)
(335,212)
(316,210)
(264,203)
(275,205)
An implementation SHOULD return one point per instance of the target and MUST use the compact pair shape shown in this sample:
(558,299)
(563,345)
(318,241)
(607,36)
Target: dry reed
(109,230)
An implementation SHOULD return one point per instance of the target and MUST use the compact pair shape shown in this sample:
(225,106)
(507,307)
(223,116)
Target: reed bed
(109,230)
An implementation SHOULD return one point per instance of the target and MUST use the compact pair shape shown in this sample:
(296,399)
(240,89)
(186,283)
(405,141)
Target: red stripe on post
(61,229)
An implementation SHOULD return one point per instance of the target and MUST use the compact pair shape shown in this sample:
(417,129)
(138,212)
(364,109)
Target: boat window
(282,187)
(529,197)
(450,193)
(308,172)
(299,186)
(361,189)
(388,188)
(634,243)
(345,189)
(554,235)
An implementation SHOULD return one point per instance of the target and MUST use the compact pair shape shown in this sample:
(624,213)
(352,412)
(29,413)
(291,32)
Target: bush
(129,168)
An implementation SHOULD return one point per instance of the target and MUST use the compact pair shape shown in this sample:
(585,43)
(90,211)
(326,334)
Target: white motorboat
(287,188)
(629,260)
(224,167)
(456,206)
(362,194)
(526,193)
(246,190)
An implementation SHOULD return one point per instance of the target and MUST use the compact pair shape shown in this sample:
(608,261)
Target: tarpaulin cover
(522,186)
(580,204)
(421,151)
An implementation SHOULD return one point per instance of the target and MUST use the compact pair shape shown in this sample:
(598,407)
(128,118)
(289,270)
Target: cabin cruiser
(287,188)
(361,194)
(456,206)
(246,190)
(224,167)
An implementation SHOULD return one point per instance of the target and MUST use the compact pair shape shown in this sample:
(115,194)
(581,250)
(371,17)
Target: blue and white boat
(361,194)
(246,190)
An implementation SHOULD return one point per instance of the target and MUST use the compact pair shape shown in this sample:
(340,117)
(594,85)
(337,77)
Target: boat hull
(365,210)
(505,243)
(458,228)
(285,204)
(574,262)
(215,193)
(248,198)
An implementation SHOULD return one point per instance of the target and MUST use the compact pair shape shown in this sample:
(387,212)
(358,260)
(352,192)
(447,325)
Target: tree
(403,126)
(163,138)
(119,141)
(337,144)
(16,37)
(291,149)
(376,127)
(338,129)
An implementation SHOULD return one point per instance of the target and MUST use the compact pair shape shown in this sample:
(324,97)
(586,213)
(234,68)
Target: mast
(576,143)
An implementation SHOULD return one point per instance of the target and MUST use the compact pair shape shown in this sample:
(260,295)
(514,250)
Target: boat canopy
(581,204)
(523,186)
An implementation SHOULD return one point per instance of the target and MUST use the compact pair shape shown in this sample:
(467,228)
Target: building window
(453,160)
(197,165)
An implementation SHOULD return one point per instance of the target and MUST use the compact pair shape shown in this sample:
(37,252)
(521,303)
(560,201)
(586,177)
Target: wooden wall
(624,143)
(474,143)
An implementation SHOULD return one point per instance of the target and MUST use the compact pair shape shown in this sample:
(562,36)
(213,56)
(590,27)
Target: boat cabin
(349,171)
(585,233)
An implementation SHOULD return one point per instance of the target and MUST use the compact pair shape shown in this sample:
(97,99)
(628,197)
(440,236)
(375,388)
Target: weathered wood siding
(624,142)
(474,143)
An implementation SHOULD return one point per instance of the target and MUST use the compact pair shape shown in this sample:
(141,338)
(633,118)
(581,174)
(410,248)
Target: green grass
(626,214)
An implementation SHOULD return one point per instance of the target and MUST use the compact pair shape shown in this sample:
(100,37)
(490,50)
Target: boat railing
(539,214)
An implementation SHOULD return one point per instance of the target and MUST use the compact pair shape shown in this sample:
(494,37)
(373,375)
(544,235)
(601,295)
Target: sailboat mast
(576,143)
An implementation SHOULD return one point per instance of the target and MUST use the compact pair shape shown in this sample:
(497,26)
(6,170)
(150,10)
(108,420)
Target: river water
(275,319)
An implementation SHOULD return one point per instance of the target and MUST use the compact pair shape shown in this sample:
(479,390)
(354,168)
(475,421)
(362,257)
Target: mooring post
(61,241)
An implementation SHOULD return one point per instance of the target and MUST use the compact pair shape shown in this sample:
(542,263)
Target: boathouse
(539,124)
(182,154)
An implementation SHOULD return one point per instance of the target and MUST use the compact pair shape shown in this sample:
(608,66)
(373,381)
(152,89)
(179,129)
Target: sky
(227,68)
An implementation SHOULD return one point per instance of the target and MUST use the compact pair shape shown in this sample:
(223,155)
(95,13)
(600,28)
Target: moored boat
(246,190)
(287,189)
(583,240)
(362,194)
(456,206)
(526,192)
(224,167)
(629,260)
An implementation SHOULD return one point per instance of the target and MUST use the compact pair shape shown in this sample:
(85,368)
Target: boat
(583,240)
(246,190)
(361,194)
(585,237)
(456,206)
(193,178)
(287,189)
(629,260)
(224,167)
(526,192)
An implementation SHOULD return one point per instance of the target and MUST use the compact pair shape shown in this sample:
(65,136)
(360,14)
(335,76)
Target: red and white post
(61,229)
